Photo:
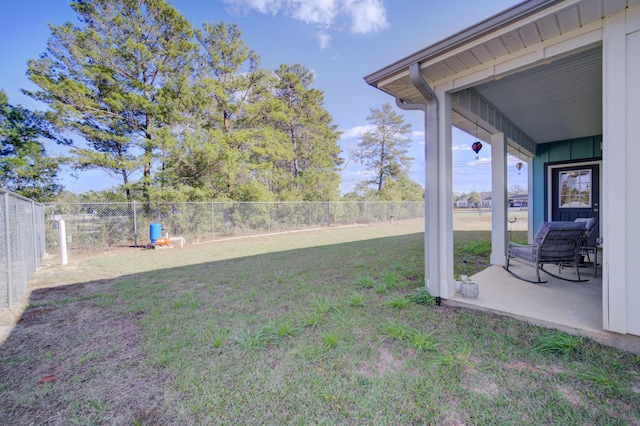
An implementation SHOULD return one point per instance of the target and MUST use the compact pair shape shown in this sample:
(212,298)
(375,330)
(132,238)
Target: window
(575,189)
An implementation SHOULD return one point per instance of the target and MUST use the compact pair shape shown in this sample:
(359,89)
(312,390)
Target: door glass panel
(575,189)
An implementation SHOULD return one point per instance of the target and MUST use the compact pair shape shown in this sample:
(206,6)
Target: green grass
(290,330)
(471,250)
(357,300)
(421,296)
(557,343)
(398,303)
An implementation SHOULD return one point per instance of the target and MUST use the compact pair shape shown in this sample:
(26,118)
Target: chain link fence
(97,226)
(22,245)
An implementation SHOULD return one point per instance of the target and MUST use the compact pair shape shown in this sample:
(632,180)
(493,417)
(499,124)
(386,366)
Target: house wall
(621,127)
(569,150)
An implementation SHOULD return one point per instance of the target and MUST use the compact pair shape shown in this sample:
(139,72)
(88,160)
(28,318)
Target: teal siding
(554,152)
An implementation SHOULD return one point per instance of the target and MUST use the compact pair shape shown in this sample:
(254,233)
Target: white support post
(62,236)
(498,199)
(445,195)
(620,227)
(431,249)
(135,225)
(213,223)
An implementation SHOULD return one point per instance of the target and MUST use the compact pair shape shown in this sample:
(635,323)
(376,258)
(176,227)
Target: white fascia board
(546,49)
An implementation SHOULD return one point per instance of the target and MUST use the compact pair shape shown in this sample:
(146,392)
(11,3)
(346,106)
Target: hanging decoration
(477,145)
(519,166)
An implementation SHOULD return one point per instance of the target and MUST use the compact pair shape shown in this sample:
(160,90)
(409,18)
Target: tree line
(177,113)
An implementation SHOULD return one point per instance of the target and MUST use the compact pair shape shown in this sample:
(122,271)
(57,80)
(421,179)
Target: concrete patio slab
(569,306)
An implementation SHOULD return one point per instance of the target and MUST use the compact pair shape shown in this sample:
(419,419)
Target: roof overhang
(539,63)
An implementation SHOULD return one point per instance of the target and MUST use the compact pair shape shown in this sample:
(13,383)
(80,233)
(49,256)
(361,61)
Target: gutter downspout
(430,99)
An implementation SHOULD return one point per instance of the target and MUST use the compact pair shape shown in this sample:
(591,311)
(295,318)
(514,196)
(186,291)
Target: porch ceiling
(554,101)
(553,97)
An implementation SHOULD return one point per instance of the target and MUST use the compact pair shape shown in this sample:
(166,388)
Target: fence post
(62,235)
(7,239)
(213,223)
(135,225)
(328,213)
(268,217)
(35,238)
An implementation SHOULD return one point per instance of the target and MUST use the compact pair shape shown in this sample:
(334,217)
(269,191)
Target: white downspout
(432,275)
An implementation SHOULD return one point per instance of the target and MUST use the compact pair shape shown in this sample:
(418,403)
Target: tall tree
(312,167)
(383,151)
(474,199)
(24,166)
(227,132)
(116,80)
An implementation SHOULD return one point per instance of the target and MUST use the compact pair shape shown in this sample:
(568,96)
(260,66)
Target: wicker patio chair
(559,245)
(589,244)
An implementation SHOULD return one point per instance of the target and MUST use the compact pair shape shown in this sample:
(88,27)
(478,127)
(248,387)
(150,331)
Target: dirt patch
(480,384)
(521,366)
(386,362)
(548,370)
(570,396)
(68,359)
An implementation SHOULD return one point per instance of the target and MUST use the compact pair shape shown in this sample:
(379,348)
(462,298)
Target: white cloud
(324,39)
(319,12)
(359,16)
(367,16)
(356,131)
(359,174)
(262,6)
(480,161)
(417,136)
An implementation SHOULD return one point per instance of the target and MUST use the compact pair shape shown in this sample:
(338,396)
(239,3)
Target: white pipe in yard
(62,234)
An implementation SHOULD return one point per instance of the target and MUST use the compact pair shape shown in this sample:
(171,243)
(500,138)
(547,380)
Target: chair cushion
(544,226)
(523,252)
(589,222)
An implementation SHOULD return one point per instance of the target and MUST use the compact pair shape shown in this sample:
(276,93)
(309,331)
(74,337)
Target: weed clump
(559,343)
(421,296)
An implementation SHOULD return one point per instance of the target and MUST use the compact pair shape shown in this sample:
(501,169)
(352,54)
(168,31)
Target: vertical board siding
(569,150)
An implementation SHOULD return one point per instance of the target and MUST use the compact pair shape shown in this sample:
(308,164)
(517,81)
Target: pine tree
(311,172)
(24,166)
(116,80)
(383,151)
(227,146)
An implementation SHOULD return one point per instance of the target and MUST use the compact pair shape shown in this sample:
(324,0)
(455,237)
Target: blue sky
(341,41)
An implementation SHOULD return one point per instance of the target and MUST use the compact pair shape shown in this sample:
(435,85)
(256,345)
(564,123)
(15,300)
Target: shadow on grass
(90,351)
(277,338)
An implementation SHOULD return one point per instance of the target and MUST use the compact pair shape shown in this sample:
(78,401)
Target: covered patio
(551,82)
(575,307)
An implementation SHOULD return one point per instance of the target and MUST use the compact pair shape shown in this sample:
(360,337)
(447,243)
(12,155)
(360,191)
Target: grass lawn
(304,328)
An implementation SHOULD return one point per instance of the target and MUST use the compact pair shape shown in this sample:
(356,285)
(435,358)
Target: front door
(575,192)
